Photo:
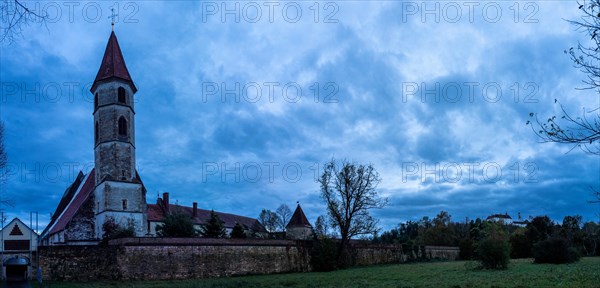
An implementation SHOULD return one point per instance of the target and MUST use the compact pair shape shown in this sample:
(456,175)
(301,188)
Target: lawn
(521,273)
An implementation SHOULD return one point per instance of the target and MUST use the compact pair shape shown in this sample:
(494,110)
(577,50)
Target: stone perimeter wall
(185,258)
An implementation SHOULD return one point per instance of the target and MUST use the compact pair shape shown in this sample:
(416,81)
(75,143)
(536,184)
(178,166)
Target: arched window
(96,133)
(122,98)
(122,126)
(96,101)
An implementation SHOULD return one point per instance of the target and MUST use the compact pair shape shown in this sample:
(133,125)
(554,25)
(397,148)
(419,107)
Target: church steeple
(119,194)
(114,141)
(113,65)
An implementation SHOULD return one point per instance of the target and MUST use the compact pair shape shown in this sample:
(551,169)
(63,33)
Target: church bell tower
(119,193)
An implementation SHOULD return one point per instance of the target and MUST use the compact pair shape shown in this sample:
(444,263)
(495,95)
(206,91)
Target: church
(113,190)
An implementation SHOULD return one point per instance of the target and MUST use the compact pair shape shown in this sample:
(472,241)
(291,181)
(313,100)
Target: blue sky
(241,103)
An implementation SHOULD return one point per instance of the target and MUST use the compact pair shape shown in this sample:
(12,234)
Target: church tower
(119,192)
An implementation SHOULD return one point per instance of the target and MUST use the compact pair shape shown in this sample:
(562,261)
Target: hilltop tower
(118,192)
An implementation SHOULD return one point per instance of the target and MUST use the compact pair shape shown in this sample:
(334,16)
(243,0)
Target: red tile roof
(113,64)
(64,201)
(74,200)
(499,216)
(156,214)
(79,197)
(298,219)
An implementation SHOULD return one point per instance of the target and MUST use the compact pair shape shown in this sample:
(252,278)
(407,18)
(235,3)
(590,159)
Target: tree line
(541,238)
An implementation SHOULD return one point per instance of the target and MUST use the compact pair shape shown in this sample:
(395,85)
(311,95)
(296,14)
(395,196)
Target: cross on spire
(112,16)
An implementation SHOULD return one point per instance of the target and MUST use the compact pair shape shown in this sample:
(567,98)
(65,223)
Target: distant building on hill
(507,220)
(500,218)
(520,222)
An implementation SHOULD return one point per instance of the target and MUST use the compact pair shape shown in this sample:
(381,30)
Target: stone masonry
(186,258)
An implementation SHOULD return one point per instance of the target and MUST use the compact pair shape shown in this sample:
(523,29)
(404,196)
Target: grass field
(521,273)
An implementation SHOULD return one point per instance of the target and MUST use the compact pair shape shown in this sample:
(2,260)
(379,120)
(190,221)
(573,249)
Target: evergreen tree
(214,227)
(238,231)
(176,225)
(321,227)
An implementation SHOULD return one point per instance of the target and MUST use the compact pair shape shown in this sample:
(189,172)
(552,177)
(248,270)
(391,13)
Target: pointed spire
(298,219)
(113,64)
(112,16)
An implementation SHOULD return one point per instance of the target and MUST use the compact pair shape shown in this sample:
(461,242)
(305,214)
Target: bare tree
(350,193)
(3,156)
(321,226)
(586,57)
(3,163)
(597,195)
(14,16)
(284,213)
(582,131)
(269,220)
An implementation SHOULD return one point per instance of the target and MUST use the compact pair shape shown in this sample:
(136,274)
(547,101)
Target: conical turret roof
(298,219)
(113,64)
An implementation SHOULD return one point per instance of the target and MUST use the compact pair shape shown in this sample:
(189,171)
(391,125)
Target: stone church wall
(83,224)
(110,196)
(184,258)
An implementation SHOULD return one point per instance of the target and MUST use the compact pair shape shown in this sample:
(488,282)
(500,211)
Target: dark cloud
(369,57)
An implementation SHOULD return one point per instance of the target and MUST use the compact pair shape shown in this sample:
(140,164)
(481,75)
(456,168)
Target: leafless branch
(595,193)
(3,164)
(15,15)
(581,132)
(585,56)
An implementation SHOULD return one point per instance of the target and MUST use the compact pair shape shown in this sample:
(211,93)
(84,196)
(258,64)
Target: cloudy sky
(241,103)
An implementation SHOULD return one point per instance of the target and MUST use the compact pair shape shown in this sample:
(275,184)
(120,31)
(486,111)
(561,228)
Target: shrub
(554,251)
(493,251)
(324,255)
(112,230)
